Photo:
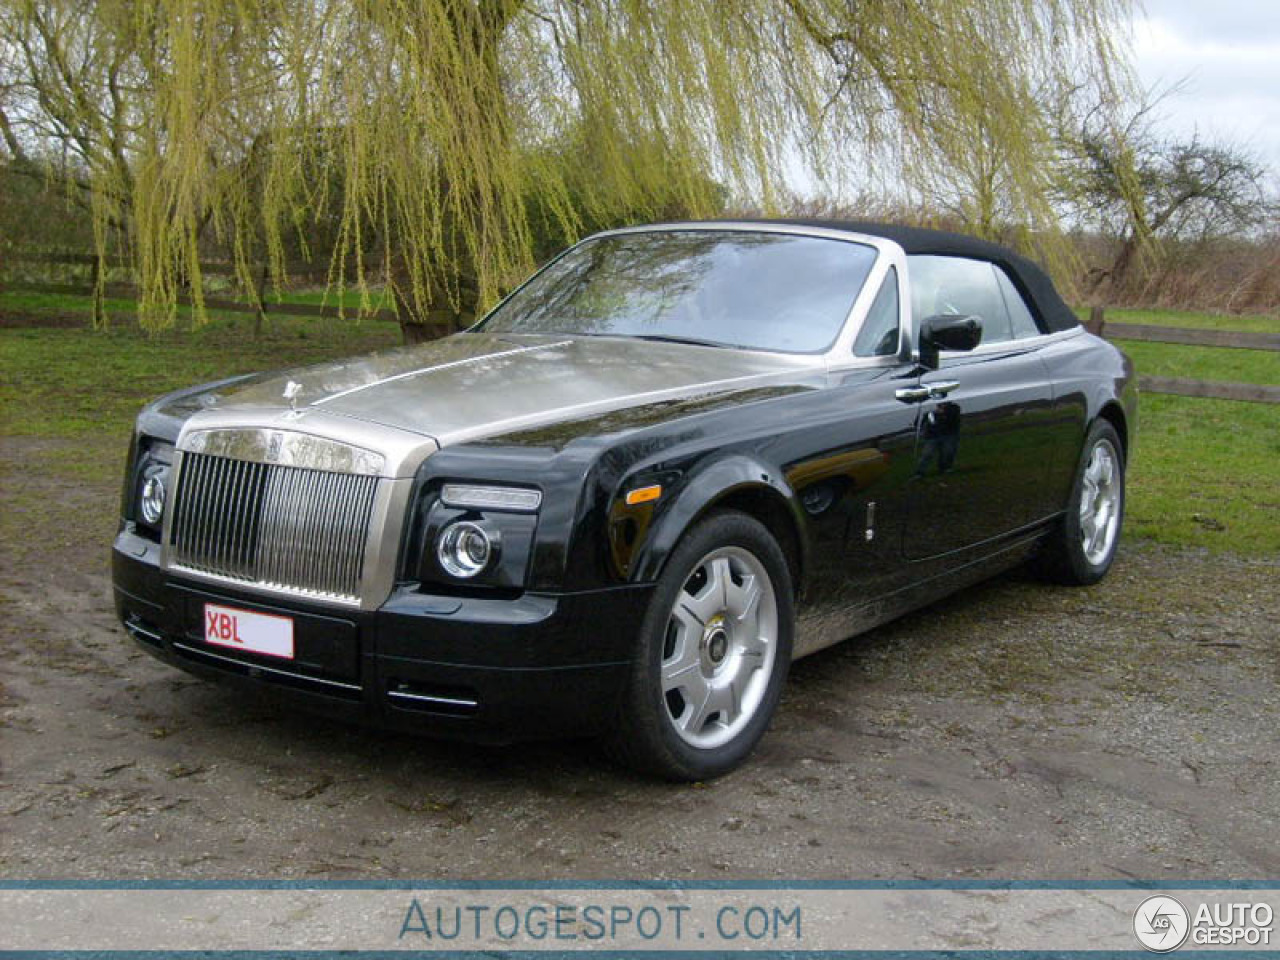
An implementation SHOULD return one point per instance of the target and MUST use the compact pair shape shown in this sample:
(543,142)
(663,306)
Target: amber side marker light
(644,494)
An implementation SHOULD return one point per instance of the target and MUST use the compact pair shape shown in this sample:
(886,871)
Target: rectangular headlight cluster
(513,499)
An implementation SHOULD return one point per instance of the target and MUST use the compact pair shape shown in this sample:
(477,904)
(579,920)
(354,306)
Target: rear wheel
(1082,548)
(713,653)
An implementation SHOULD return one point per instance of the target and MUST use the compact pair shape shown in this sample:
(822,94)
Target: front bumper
(491,670)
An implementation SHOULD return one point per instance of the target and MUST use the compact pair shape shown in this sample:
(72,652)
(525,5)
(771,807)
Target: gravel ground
(1019,731)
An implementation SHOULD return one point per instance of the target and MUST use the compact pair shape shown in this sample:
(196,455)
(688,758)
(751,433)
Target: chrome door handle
(912,394)
(942,387)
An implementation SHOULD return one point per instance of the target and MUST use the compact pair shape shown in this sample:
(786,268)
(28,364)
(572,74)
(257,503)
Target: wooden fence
(263,307)
(127,291)
(1182,386)
(260,308)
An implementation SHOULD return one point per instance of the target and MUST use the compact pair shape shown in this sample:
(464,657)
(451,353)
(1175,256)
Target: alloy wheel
(720,647)
(1100,503)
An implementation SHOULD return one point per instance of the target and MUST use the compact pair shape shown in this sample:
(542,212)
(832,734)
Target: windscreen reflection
(756,291)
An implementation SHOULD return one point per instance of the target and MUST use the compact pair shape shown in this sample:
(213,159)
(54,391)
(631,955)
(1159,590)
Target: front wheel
(713,653)
(1082,547)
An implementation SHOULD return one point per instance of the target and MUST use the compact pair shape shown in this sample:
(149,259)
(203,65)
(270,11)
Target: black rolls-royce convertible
(674,460)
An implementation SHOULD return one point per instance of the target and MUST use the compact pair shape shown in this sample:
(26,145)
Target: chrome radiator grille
(284,527)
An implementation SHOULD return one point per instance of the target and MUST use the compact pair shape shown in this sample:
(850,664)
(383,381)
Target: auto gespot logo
(1162,924)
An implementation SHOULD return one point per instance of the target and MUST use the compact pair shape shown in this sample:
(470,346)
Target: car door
(981,457)
(851,468)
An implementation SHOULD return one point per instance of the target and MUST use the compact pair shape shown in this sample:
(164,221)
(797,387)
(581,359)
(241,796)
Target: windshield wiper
(671,338)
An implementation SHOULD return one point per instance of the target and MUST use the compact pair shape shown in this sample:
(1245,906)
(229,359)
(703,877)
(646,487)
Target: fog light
(465,549)
(152,501)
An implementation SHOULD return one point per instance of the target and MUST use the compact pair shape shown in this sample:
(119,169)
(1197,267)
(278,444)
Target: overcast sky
(1230,51)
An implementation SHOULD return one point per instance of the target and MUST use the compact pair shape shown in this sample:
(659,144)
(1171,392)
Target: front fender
(733,479)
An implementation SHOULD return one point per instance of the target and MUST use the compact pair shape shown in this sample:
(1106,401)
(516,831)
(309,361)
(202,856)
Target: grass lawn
(81,382)
(1200,363)
(1203,363)
(1248,323)
(23,303)
(1205,472)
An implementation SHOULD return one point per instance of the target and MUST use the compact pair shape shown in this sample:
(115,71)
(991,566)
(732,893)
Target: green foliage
(440,145)
(1205,474)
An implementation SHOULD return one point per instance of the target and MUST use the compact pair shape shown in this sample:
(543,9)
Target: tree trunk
(259,301)
(1124,260)
(439,319)
(99,308)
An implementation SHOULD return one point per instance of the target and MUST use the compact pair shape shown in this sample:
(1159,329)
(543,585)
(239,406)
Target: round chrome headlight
(151,502)
(465,549)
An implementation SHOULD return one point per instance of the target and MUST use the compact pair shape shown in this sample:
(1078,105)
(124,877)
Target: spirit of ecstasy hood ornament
(291,391)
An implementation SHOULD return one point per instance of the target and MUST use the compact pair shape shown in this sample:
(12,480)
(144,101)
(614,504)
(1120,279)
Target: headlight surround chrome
(152,480)
(466,496)
(151,501)
(466,549)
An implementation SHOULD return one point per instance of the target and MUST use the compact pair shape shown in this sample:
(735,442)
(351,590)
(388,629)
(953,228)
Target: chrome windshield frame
(839,356)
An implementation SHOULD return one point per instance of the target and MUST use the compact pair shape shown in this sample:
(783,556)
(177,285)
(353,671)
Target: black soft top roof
(1033,282)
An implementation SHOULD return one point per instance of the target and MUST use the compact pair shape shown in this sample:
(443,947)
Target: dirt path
(1020,731)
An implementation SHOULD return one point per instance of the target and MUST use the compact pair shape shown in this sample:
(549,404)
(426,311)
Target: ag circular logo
(1161,923)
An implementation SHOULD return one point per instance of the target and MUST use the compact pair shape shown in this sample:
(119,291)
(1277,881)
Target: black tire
(1064,557)
(645,736)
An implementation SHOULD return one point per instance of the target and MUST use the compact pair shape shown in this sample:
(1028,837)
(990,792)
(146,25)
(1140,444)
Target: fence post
(1097,320)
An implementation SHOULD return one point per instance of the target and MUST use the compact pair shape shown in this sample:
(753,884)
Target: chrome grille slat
(217,549)
(234,495)
(335,525)
(289,528)
(243,521)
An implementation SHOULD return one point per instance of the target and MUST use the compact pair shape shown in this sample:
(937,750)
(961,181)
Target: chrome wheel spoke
(678,670)
(744,603)
(1101,526)
(753,646)
(725,702)
(719,579)
(1107,471)
(710,599)
(697,709)
(689,614)
(734,700)
(1094,473)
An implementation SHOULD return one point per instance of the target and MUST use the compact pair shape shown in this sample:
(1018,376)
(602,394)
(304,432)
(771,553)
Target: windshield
(757,291)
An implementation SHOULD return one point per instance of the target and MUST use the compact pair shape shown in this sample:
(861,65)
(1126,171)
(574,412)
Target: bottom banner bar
(617,919)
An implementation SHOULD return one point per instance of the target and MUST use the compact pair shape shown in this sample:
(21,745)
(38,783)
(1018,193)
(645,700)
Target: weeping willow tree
(441,138)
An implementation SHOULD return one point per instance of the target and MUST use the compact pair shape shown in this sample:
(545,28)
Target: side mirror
(947,331)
